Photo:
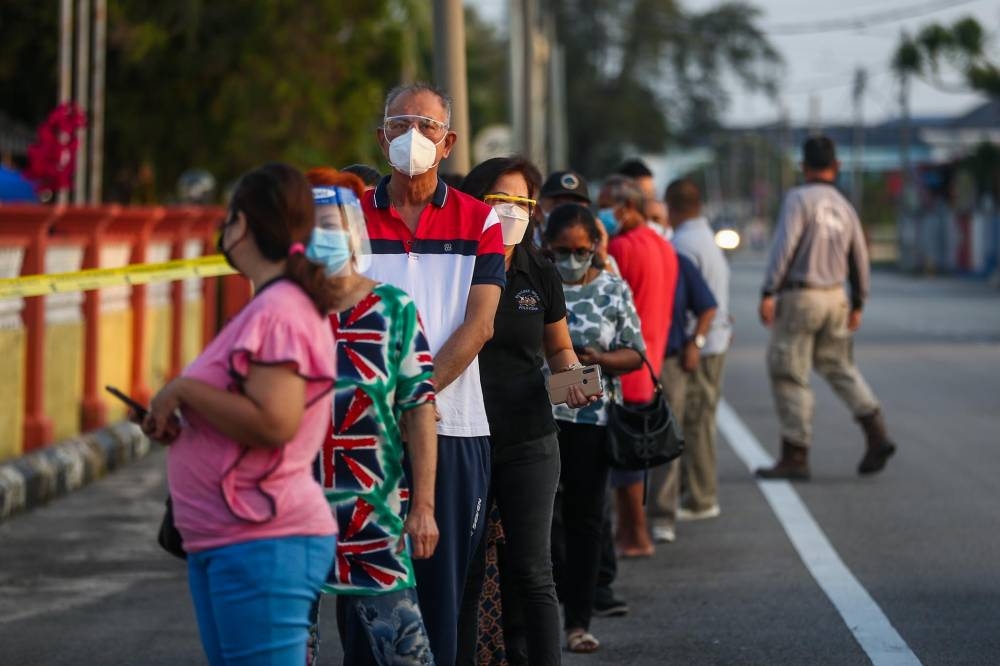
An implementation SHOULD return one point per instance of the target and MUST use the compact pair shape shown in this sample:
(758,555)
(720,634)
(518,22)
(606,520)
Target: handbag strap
(652,375)
(657,384)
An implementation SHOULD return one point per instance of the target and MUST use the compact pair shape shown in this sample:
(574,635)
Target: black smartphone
(136,407)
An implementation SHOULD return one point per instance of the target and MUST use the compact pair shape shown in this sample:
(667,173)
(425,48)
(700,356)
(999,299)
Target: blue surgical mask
(331,248)
(608,219)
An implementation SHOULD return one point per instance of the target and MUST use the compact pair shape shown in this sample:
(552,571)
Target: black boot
(879,447)
(793,466)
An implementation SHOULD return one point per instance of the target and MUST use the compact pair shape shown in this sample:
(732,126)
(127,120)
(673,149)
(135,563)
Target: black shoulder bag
(169,537)
(641,436)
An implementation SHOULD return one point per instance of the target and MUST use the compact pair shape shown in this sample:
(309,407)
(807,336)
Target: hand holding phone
(586,379)
(139,410)
(140,413)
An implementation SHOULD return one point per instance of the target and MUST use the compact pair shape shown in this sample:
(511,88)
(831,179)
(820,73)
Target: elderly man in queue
(656,210)
(445,249)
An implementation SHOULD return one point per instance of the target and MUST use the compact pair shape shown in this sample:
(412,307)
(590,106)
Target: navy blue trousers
(463,475)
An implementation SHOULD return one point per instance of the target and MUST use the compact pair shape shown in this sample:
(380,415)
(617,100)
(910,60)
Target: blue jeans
(252,599)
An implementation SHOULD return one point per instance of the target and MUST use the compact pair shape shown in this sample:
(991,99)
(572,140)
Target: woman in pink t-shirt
(253,411)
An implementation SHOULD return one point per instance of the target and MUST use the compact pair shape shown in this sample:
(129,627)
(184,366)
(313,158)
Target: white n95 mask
(513,222)
(413,153)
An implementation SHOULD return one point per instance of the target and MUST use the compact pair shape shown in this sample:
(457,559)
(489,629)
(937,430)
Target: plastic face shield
(339,208)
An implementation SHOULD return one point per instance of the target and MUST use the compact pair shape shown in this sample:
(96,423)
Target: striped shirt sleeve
(489,267)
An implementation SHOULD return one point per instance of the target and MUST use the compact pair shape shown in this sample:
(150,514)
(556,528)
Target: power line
(831,82)
(861,22)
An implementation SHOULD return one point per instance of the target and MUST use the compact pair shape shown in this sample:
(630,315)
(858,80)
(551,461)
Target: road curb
(35,479)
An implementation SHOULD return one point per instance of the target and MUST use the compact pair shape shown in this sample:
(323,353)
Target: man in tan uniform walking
(818,245)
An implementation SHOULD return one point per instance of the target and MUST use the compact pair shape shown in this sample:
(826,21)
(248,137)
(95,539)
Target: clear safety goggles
(338,208)
(394,126)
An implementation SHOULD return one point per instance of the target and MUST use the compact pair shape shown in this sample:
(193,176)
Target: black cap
(566,184)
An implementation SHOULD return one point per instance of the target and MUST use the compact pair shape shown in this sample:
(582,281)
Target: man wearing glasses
(445,249)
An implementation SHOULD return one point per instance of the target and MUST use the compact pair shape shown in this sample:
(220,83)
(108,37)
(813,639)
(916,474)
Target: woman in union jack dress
(382,396)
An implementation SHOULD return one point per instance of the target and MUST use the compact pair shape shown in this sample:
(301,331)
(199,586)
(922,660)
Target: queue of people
(381,404)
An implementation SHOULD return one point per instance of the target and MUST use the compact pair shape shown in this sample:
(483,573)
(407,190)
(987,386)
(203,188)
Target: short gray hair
(625,190)
(414,88)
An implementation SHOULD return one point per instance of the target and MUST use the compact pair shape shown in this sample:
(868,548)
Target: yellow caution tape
(98,278)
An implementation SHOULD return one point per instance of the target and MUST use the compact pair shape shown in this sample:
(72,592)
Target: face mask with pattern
(572,269)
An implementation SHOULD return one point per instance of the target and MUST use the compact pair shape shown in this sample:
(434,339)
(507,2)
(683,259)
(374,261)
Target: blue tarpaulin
(15,188)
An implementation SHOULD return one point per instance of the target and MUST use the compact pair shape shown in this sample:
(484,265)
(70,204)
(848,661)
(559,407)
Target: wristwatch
(699,341)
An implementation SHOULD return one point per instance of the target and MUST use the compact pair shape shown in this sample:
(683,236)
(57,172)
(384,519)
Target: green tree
(961,48)
(227,84)
(29,38)
(487,72)
(646,72)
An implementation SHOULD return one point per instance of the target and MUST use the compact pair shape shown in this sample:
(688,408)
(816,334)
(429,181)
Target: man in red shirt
(649,265)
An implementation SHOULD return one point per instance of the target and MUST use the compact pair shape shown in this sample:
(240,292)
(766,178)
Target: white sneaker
(704,514)
(664,534)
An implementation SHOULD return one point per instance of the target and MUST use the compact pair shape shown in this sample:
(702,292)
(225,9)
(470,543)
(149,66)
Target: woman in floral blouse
(604,327)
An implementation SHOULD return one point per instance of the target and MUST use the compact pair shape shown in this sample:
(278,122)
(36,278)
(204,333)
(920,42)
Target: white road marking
(872,629)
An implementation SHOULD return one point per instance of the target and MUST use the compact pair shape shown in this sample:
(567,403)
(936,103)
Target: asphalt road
(82,581)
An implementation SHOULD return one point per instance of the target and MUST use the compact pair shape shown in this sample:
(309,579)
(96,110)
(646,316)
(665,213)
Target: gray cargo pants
(810,330)
(699,476)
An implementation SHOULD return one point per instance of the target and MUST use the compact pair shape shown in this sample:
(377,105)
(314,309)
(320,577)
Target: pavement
(82,580)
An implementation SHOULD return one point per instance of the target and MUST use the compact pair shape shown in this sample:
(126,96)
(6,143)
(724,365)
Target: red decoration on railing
(52,158)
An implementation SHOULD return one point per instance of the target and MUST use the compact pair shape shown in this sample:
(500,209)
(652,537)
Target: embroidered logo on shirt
(447,247)
(528,300)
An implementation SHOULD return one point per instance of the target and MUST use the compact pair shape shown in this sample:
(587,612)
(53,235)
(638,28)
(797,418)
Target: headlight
(727,239)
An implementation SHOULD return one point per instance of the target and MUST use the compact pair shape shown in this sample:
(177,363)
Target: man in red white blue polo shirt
(445,249)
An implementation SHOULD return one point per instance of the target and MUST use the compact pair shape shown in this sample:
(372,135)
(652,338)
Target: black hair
(819,152)
(568,215)
(480,181)
(277,201)
(634,168)
(369,175)
(683,197)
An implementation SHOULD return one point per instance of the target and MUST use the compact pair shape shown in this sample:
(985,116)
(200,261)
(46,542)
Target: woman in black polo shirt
(529,328)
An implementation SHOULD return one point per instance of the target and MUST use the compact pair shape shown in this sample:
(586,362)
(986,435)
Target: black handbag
(641,436)
(169,537)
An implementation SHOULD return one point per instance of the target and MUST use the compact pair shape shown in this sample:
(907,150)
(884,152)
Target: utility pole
(527,28)
(450,74)
(65,65)
(910,239)
(82,97)
(97,116)
(815,106)
(857,173)
(784,142)
(558,142)
(538,96)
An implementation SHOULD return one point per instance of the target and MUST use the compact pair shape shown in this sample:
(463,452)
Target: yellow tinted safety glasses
(508,198)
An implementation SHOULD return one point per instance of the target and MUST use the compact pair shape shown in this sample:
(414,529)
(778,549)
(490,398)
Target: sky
(819,67)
